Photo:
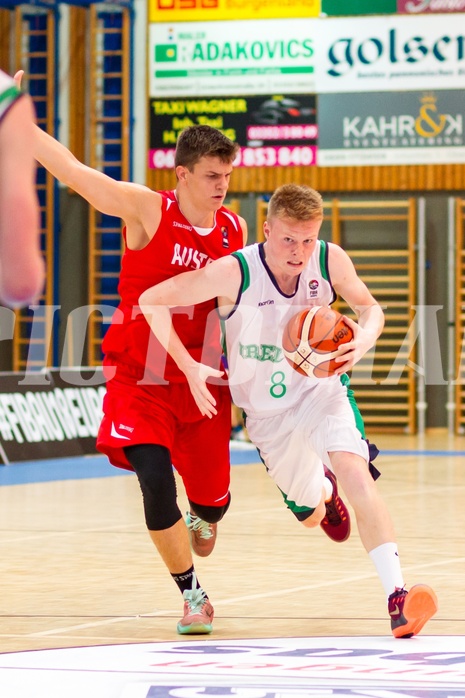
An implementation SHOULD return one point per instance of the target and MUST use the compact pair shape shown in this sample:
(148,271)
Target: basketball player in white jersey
(21,262)
(308,431)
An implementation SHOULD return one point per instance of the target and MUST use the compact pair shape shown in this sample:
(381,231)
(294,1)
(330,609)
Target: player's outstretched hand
(197,377)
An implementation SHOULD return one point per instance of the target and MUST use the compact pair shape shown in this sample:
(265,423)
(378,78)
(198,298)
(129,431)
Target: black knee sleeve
(152,465)
(210,514)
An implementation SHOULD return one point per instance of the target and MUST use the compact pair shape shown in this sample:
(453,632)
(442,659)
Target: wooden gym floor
(77,567)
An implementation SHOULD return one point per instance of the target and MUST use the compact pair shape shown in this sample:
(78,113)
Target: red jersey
(175,248)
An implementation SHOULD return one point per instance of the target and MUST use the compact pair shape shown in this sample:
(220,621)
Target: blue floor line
(88,467)
(82,467)
(76,468)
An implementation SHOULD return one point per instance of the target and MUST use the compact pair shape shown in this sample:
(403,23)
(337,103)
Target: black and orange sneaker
(336,523)
(411,610)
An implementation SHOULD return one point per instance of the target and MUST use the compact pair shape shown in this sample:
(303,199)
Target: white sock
(328,488)
(386,560)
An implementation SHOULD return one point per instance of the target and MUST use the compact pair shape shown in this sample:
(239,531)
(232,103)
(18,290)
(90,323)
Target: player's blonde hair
(299,202)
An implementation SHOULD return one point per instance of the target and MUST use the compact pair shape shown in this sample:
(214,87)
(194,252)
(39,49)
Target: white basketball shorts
(296,443)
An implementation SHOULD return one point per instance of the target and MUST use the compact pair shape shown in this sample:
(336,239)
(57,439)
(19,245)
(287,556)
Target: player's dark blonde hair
(299,202)
(197,142)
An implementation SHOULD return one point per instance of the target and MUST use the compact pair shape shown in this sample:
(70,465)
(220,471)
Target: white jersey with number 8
(261,380)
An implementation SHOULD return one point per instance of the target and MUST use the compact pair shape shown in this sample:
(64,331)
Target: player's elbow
(24,285)
(22,271)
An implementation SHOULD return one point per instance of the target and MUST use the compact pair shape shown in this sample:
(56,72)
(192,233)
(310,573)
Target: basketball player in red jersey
(151,421)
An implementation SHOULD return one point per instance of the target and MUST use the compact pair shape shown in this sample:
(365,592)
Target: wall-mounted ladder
(110,97)
(380,238)
(34,51)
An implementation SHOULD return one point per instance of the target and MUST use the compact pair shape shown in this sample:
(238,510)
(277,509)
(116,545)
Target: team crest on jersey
(313,286)
(225,236)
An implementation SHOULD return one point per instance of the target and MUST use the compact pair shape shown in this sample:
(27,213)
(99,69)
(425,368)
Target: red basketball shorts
(168,416)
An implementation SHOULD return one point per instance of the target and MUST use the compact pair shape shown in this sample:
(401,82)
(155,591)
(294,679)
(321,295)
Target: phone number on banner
(266,156)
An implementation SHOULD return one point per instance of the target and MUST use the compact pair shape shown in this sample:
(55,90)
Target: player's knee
(152,465)
(210,514)
(161,518)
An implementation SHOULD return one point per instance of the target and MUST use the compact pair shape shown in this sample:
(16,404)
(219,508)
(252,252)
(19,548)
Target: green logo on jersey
(261,352)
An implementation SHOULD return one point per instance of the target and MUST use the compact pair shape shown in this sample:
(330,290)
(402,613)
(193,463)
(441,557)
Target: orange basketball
(312,337)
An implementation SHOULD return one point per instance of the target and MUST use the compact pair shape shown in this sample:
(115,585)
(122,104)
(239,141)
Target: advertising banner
(358,7)
(391,128)
(272,130)
(203,10)
(231,58)
(416,6)
(402,52)
(54,415)
(89,388)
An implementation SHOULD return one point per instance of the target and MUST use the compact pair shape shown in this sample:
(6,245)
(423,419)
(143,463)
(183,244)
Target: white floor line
(238,599)
(51,534)
(82,626)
